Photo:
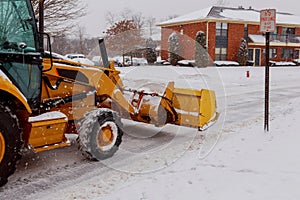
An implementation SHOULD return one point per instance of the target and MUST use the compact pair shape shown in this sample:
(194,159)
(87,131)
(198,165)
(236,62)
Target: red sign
(268,20)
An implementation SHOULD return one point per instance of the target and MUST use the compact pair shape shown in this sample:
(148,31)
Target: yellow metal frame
(7,86)
(105,84)
(2,146)
(47,132)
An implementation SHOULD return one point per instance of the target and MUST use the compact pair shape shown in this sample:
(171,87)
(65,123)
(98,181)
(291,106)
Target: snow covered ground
(234,159)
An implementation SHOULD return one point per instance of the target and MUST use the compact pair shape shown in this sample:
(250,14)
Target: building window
(221,29)
(246,31)
(251,54)
(221,35)
(272,53)
(181,30)
(286,53)
(297,53)
(288,31)
(221,54)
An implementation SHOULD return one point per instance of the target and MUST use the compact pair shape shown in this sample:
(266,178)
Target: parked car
(80,58)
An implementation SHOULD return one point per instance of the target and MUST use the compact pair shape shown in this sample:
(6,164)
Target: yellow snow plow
(179,106)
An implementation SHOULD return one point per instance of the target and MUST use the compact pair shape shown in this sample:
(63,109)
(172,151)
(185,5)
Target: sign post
(267,25)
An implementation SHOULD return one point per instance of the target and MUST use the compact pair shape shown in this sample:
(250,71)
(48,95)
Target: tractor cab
(20,59)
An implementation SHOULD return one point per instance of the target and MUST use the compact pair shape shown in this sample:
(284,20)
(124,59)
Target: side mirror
(42,50)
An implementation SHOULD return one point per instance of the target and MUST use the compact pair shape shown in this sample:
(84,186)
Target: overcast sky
(95,21)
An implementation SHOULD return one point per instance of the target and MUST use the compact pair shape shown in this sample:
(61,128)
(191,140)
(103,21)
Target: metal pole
(267,82)
(41,23)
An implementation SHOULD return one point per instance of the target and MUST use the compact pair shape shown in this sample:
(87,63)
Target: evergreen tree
(242,56)
(150,51)
(174,49)
(201,55)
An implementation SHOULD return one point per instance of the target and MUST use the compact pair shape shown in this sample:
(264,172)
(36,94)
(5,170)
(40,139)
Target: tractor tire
(100,134)
(10,143)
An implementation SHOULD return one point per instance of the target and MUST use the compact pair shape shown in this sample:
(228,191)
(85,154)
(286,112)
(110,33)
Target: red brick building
(225,27)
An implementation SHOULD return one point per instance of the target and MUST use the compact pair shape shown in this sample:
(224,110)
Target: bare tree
(127,14)
(123,37)
(60,14)
(172,17)
(61,44)
(138,19)
(110,18)
(151,23)
(81,31)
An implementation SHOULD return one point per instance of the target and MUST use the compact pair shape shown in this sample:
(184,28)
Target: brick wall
(187,43)
(235,34)
(211,40)
(253,29)
(187,40)
(165,33)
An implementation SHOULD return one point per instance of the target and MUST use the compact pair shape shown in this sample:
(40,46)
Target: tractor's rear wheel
(100,134)
(10,143)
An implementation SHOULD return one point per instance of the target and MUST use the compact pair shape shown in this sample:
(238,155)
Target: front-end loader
(43,98)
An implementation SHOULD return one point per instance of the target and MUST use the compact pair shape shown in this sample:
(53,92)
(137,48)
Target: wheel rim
(107,136)
(2,146)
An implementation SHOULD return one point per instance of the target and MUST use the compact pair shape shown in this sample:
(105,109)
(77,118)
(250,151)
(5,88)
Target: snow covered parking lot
(182,163)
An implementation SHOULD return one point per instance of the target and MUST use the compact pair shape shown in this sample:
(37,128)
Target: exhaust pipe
(103,53)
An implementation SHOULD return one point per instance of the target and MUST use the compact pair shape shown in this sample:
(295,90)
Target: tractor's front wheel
(10,143)
(100,134)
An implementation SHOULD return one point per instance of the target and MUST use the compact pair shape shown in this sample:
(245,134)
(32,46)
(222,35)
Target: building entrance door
(254,56)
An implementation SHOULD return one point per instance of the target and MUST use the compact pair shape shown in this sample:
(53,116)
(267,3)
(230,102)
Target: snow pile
(186,62)
(226,63)
(274,63)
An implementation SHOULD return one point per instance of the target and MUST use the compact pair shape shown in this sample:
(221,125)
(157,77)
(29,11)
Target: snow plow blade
(193,108)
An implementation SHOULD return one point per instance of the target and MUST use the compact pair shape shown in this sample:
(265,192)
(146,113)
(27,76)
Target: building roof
(275,40)
(217,13)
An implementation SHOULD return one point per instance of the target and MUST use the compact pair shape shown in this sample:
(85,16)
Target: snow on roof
(287,19)
(240,15)
(257,38)
(254,16)
(197,15)
(231,14)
